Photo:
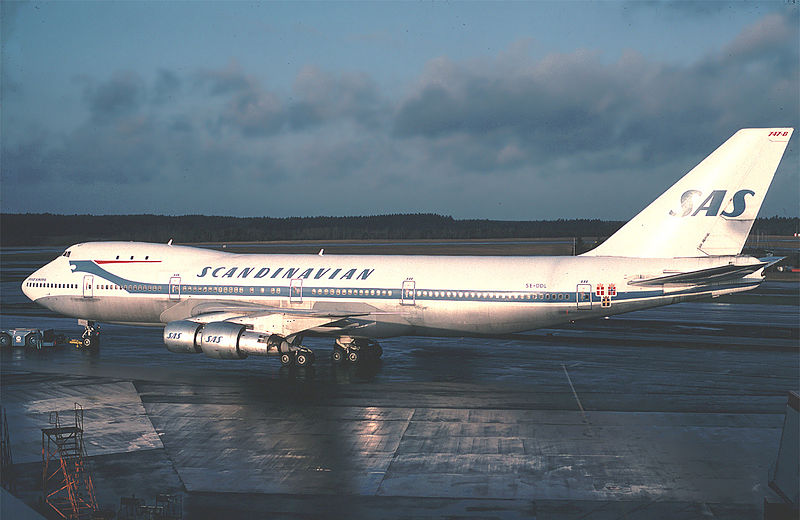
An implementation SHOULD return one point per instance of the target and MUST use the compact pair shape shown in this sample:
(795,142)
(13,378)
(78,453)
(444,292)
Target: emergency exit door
(88,286)
(296,290)
(175,288)
(408,294)
(583,295)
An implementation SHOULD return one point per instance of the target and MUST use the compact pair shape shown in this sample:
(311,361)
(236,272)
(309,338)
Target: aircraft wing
(274,320)
(707,276)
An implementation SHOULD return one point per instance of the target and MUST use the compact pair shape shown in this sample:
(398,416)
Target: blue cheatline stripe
(378,293)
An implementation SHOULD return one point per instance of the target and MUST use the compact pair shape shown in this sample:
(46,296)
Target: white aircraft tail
(710,211)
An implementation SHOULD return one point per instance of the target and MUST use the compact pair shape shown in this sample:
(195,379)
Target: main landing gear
(294,354)
(91,336)
(355,350)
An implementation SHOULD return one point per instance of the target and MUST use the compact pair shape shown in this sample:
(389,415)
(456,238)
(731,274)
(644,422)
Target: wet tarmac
(667,413)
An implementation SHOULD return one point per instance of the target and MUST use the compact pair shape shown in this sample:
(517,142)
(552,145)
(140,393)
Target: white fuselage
(153,284)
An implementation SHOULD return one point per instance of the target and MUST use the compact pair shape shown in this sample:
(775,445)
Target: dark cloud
(254,112)
(317,98)
(498,137)
(225,80)
(597,113)
(25,162)
(167,86)
(325,97)
(772,41)
(248,107)
(129,152)
(119,96)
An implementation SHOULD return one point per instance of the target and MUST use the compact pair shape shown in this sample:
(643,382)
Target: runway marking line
(574,393)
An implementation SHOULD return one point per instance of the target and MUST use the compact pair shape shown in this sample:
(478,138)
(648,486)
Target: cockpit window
(66,253)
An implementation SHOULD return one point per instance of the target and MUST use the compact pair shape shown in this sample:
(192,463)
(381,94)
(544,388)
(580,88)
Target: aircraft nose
(26,289)
(29,287)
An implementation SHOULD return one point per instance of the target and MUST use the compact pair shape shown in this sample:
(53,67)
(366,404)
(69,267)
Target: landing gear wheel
(5,340)
(337,356)
(91,334)
(353,357)
(302,359)
(286,359)
(33,341)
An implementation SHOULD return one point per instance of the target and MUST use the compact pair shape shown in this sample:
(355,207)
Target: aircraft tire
(5,340)
(337,356)
(33,341)
(353,357)
(302,359)
(286,359)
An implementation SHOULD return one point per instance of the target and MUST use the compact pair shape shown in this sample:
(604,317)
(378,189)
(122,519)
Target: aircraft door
(296,290)
(583,295)
(408,294)
(175,288)
(88,286)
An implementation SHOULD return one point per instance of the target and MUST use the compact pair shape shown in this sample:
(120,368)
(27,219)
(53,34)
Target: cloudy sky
(525,110)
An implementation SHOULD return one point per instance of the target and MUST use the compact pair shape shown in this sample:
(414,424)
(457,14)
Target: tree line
(41,229)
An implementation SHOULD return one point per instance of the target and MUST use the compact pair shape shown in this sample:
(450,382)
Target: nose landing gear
(91,335)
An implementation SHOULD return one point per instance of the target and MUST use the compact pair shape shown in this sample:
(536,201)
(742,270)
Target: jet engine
(225,340)
(182,336)
(220,340)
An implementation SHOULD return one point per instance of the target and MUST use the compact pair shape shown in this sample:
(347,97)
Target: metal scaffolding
(168,507)
(66,481)
(6,461)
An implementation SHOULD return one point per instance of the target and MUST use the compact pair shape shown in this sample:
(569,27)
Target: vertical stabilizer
(711,210)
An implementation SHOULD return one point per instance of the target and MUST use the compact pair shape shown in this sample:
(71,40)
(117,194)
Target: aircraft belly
(507,318)
(107,309)
(460,317)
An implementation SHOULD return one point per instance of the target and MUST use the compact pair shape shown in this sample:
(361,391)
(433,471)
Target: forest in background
(42,229)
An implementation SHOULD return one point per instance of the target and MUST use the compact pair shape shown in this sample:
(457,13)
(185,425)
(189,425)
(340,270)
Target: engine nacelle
(183,336)
(220,340)
(260,344)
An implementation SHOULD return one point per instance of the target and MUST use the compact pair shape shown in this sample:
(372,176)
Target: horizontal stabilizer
(711,275)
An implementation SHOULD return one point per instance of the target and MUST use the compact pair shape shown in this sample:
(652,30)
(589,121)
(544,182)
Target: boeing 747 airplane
(684,246)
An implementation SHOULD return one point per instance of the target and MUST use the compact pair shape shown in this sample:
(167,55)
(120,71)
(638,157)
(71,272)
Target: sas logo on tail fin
(712,203)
